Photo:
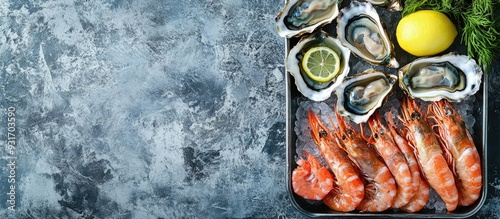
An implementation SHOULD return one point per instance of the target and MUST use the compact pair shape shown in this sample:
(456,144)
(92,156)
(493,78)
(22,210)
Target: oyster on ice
(359,29)
(360,95)
(453,77)
(393,5)
(304,16)
(313,90)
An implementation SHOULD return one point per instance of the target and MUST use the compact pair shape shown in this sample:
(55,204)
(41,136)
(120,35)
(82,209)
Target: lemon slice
(321,64)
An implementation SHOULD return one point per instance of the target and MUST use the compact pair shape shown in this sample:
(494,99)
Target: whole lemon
(425,33)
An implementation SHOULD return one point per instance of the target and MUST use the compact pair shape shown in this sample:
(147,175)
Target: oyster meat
(313,90)
(393,5)
(360,95)
(453,77)
(304,16)
(359,29)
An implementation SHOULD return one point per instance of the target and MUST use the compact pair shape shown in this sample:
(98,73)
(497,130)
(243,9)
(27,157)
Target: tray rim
(290,159)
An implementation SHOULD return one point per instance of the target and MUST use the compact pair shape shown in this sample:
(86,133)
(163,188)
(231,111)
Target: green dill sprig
(481,32)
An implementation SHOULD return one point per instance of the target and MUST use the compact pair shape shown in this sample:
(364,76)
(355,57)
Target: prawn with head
(380,187)
(421,197)
(387,148)
(429,153)
(348,190)
(457,142)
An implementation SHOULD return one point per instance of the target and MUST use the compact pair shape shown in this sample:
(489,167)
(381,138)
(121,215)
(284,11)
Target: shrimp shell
(310,180)
(394,159)
(421,196)
(429,153)
(348,190)
(457,140)
(420,199)
(380,189)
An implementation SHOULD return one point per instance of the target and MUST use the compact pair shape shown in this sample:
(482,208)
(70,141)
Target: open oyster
(304,16)
(360,95)
(314,90)
(393,5)
(452,76)
(359,29)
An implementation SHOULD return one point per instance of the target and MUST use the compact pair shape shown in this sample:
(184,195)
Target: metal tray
(314,210)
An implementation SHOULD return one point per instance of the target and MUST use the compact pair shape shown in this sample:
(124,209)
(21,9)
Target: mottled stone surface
(150,109)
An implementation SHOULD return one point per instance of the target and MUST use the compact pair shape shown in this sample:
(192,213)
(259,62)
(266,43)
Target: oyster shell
(359,29)
(310,89)
(360,95)
(304,16)
(451,76)
(393,5)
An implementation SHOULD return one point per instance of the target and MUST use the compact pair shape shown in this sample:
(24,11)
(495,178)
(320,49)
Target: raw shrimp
(457,140)
(348,189)
(421,197)
(380,189)
(310,180)
(429,153)
(394,159)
